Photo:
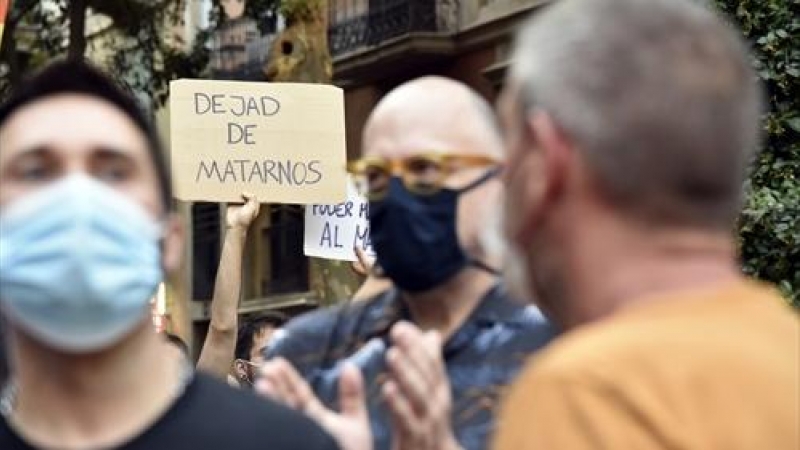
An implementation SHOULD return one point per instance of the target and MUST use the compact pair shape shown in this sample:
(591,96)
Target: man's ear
(547,168)
(240,369)
(173,243)
(557,152)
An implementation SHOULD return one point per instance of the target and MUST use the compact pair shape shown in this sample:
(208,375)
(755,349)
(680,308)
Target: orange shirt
(714,369)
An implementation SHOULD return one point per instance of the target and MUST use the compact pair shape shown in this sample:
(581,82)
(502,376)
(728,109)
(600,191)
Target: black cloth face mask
(415,236)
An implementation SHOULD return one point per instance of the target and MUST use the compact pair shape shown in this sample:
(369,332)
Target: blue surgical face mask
(415,236)
(79,263)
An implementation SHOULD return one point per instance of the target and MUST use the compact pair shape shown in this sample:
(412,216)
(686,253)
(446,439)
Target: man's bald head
(438,115)
(432,114)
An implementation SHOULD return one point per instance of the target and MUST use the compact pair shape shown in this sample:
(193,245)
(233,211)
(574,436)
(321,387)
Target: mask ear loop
(478,264)
(378,272)
(161,235)
(491,173)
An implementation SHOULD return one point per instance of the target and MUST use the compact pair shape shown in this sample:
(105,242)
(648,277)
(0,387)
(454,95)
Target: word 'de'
(283,142)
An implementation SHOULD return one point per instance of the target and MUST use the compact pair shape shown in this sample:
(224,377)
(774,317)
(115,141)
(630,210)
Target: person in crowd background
(254,336)
(86,236)
(455,337)
(234,355)
(629,125)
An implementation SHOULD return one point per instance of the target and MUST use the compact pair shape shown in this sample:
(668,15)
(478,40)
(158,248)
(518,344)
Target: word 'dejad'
(239,106)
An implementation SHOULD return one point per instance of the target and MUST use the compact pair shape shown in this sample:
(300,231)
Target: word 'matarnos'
(292,173)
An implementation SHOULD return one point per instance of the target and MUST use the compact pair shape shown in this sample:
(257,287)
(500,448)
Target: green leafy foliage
(300,10)
(147,58)
(144,57)
(769,227)
(262,11)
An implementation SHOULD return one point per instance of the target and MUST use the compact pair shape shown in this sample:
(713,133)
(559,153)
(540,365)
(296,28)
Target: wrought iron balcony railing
(387,19)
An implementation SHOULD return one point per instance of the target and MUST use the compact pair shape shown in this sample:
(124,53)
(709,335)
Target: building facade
(379,44)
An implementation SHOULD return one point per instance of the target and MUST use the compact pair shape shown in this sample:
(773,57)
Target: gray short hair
(658,95)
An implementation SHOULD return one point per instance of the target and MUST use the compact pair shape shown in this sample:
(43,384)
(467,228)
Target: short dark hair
(80,77)
(251,327)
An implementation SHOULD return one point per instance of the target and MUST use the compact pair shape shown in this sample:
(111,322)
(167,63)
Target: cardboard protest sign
(283,142)
(333,231)
(3,11)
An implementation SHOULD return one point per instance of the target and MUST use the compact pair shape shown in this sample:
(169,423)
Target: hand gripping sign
(283,142)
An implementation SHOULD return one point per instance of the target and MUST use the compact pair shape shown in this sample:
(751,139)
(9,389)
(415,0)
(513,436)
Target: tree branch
(77,29)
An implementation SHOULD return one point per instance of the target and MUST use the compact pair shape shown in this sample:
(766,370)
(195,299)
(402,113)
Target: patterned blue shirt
(482,357)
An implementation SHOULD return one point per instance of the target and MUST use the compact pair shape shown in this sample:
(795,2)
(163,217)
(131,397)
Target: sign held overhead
(284,142)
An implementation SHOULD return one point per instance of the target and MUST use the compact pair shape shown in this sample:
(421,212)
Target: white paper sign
(334,231)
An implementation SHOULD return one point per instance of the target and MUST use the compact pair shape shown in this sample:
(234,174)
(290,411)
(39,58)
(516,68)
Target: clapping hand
(350,426)
(418,391)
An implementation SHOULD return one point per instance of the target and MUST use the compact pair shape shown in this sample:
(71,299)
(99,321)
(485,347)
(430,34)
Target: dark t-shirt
(210,415)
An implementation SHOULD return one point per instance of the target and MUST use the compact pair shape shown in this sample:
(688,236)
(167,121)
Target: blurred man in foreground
(432,152)
(629,124)
(86,235)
